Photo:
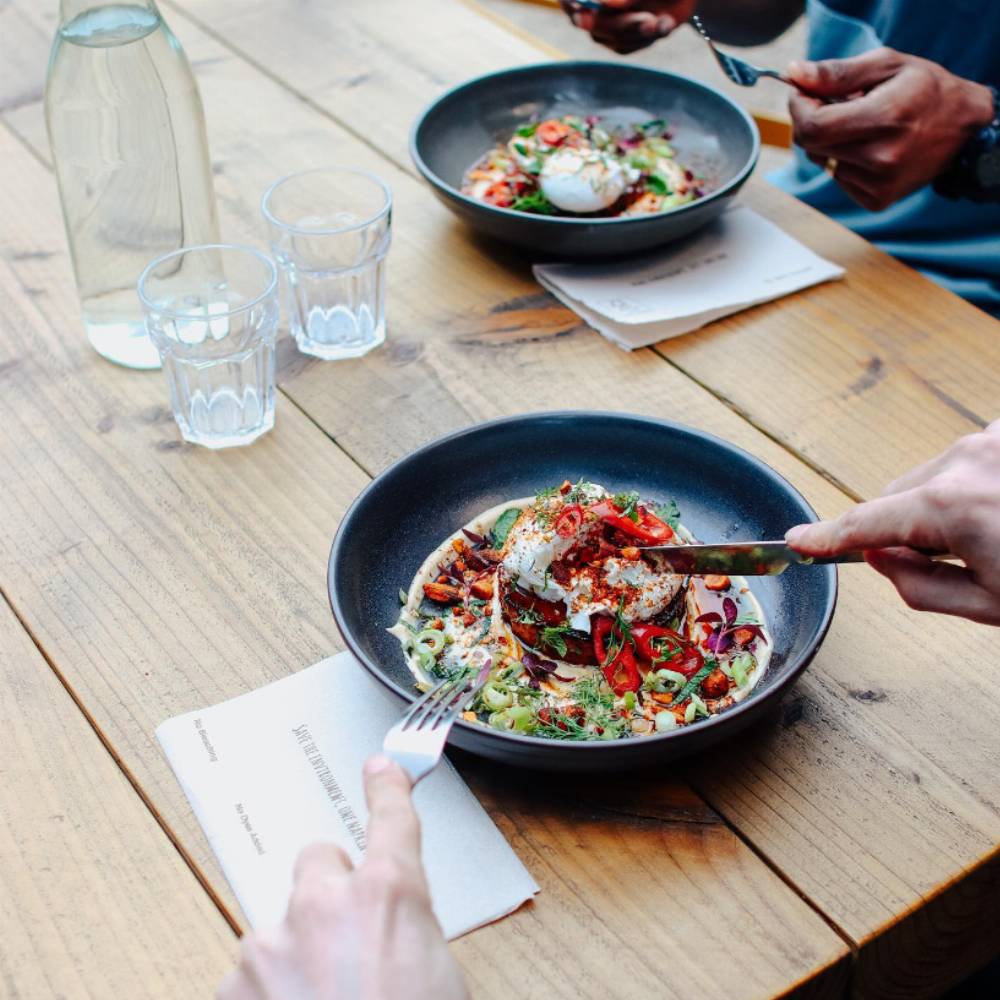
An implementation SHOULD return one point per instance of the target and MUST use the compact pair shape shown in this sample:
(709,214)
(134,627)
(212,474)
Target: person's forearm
(748,22)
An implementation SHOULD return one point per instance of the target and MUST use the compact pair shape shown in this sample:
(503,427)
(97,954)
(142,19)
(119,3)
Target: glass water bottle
(128,141)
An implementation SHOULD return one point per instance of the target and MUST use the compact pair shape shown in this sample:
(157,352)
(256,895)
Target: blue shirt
(956,243)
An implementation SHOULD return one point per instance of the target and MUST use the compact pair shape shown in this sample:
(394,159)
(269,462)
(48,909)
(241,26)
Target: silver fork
(742,73)
(417,741)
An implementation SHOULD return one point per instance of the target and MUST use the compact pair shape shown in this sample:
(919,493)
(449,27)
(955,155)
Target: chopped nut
(458,544)
(566,487)
(661,697)
(715,685)
(717,583)
(482,588)
(490,555)
(630,552)
(443,593)
(469,716)
(438,624)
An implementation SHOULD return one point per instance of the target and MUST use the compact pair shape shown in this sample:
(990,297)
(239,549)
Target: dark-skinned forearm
(748,22)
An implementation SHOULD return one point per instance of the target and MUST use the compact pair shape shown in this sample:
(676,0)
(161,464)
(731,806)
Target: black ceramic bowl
(711,134)
(723,493)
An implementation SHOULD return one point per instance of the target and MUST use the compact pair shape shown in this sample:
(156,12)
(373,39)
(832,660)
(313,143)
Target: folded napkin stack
(738,261)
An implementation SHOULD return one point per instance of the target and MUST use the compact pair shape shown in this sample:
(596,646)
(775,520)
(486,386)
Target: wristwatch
(975,173)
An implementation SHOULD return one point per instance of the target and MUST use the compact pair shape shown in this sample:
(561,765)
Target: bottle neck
(71,9)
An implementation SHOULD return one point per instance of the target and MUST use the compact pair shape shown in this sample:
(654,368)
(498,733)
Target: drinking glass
(212,312)
(330,231)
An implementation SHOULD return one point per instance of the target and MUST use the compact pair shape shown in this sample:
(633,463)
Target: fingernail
(665,25)
(795,534)
(575,17)
(650,27)
(804,72)
(377,764)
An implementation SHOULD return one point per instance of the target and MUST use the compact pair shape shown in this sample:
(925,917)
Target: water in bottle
(131,156)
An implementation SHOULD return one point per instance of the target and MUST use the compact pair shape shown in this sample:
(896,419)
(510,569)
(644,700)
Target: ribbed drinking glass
(212,312)
(330,231)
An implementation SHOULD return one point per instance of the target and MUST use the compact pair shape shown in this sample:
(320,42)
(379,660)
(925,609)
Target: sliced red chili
(647,527)
(616,657)
(552,132)
(569,520)
(499,194)
(663,647)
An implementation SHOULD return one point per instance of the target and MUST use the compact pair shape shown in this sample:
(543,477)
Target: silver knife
(747,558)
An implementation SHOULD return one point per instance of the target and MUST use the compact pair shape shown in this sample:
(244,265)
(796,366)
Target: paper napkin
(273,770)
(738,261)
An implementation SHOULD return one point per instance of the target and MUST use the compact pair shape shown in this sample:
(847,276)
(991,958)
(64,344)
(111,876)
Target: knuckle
(387,877)
(311,900)
(848,527)
(940,493)
(807,130)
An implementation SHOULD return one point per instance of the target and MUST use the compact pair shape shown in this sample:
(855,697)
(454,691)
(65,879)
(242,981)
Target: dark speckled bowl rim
(753,700)
(582,65)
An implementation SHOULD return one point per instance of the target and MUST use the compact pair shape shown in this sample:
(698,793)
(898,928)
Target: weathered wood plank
(94,899)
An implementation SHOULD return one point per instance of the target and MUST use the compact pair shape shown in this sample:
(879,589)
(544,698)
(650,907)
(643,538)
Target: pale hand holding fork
(417,741)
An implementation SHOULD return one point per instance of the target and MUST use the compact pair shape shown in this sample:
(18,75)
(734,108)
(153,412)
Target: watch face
(988,169)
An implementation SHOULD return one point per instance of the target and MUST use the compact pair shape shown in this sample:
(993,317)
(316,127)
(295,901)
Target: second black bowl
(723,493)
(712,134)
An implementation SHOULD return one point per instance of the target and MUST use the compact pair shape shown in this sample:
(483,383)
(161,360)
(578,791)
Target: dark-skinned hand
(629,25)
(898,123)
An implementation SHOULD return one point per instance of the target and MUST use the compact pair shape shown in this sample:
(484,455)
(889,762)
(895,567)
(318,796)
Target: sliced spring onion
(665,721)
(700,708)
(496,698)
(671,680)
(690,711)
(431,639)
(403,596)
(425,659)
(741,666)
(521,718)
(629,701)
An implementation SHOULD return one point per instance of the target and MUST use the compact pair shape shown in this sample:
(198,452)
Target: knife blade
(741,558)
(755,558)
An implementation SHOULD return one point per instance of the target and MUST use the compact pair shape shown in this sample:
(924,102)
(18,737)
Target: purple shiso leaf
(729,610)
(538,669)
(719,642)
(709,616)
(472,536)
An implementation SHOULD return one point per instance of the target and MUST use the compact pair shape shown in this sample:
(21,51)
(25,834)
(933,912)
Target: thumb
(843,77)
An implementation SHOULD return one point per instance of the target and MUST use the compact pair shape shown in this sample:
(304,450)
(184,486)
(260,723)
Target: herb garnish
(669,512)
(527,131)
(503,525)
(554,636)
(628,504)
(656,184)
(694,683)
(535,202)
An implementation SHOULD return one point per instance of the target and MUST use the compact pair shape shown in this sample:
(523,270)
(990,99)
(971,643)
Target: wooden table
(849,845)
